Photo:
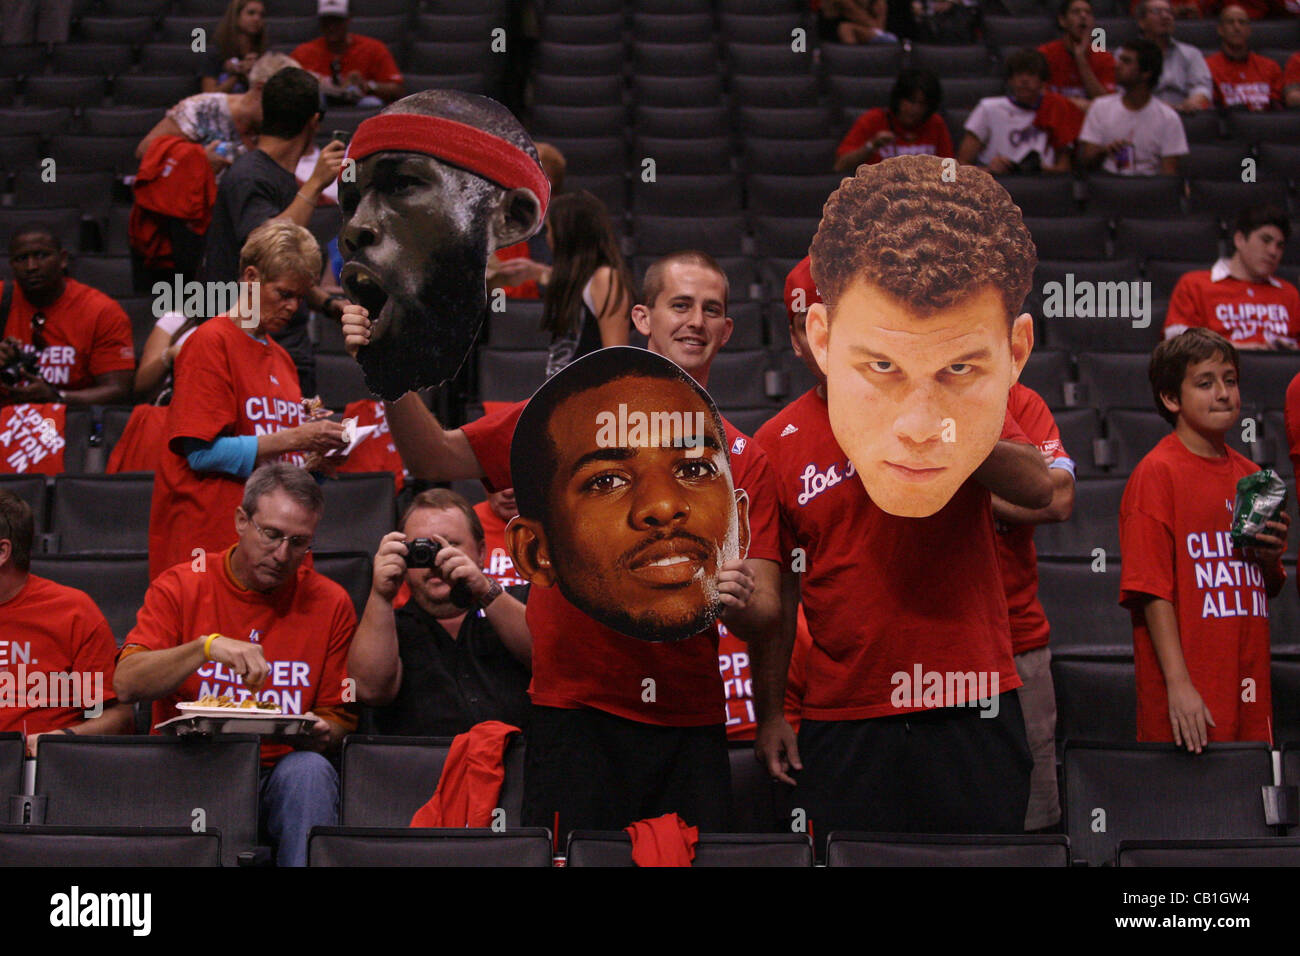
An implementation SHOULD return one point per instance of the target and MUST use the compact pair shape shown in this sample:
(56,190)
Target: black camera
(421,552)
(26,359)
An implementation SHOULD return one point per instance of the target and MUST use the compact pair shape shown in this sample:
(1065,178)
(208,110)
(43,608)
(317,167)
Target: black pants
(602,772)
(948,770)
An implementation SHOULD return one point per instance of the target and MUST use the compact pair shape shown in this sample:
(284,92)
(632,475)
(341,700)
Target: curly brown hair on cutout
(929,242)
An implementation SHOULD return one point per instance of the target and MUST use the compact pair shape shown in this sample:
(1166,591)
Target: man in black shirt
(436,667)
(260,186)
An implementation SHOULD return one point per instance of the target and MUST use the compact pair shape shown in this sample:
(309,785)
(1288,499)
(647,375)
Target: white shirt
(1155,132)
(1007,129)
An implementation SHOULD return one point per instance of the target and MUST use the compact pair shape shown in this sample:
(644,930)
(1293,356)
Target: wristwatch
(494,592)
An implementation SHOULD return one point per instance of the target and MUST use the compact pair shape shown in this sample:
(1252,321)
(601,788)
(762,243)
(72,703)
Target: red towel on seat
(174,180)
(471,779)
(663,841)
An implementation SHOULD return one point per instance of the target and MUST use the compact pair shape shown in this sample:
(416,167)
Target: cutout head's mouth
(364,287)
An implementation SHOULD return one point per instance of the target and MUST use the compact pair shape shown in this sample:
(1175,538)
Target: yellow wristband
(207,646)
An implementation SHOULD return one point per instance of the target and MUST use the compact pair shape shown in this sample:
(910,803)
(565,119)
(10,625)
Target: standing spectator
(437,667)
(240,39)
(1133,133)
(50,629)
(910,124)
(1241,298)
(34,21)
(237,402)
(1242,77)
(257,622)
(1077,69)
(1291,82)
(1185,81)
(588,290)
(352,68)
(1029,625)
(83,337)
(1031,129)
(260,185)
(1199,605)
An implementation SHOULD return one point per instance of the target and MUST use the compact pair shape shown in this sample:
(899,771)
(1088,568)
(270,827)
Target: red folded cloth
(663,841)
(1061,118)
(471,779)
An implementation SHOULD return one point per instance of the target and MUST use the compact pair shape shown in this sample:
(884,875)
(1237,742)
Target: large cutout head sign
(923,266)
(626,501)
(441,180)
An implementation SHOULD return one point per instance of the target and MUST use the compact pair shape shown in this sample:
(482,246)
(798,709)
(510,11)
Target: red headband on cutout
(490,156)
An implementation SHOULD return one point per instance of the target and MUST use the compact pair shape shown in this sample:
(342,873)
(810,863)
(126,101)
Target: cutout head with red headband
(439,180)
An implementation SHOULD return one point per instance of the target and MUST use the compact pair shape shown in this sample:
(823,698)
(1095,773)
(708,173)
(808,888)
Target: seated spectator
(1077,68)
(1241,298)
(1291,82)
(236,402)
(240,39)
(153,376)
(1242,77)
(853,21)
(910,124)
(258,622)
(353,69)
(452,656)
(52,630)
(86,356)
(1185,81)
(1029,130)
(1199,605)
(1133,133)
(589,291)
(494,513)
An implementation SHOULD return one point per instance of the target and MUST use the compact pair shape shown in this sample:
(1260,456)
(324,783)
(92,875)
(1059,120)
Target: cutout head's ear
(526,543)
(742,520)
(818,328)
(1022,343)
(517,215)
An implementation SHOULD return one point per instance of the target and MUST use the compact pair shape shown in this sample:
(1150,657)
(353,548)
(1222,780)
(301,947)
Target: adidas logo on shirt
(788,430)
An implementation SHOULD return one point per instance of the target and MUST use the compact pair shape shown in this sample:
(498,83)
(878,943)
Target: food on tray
(248,703)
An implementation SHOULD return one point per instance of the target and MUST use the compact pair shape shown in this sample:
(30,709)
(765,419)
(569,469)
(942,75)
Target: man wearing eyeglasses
(81,336)
(256,621)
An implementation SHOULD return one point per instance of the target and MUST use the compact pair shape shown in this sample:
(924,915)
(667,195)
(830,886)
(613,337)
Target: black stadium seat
(144,90)
(566,59)
(1080,428)
(1079,237)
(768,59)
(1096,696)
(774,91)
(1158,792)
(598,29)
(115,153)
(178,58)
(94,59)
(1157,197)
(518,327)
(1131,434)
(1215,162)
(604,848)
(735,380)
(102,513)
(153,781)
(759,28)
(448,29)
(811,122)
(19,152)
(1273,852)
(123,31)
(341,846)
(1047,372)
(802,196)
(509,376)
(1041,195)
(339,380)
(1264,379)
(108,846)
(1082,604)
(1093,524)
(674,59)
(687,195)
(753,792)
(917,849)
(32,489)
(952,61)
(668,27)
(350,570)
(116,583)
(576,121)
(786,238)
(578,90)
(1196,239)
(695,156)
(1115,380)
(687,122)
(71,91)
(120,120)
(30,120)
(687,91)
(874,59)
(359,510)
(1227,199)
(716,235)
(11,765)
(386,779)
(788,155)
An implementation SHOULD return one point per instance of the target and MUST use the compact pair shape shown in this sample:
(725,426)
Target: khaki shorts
(1038,701)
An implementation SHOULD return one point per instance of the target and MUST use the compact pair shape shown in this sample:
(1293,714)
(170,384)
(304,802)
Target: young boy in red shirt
(1200,613)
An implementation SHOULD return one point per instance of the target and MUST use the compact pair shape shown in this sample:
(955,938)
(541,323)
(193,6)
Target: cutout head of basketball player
(441,179)
(625,495)
(923,267)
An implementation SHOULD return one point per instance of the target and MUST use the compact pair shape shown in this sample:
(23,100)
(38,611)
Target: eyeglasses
(298,543)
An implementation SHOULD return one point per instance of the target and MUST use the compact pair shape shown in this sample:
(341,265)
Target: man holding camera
(459,652)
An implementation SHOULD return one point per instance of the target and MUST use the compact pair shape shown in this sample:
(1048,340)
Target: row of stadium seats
(1148,792)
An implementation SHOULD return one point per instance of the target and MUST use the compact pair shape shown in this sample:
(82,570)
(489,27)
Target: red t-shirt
(50,629)
(1016,554)
(931,137)
(377,452)
(578,662)
(304,628)
(524,290)
(738,687)
(227,383)
(1244,312)
(365,55)
(1174,525)
(497,562)
(86,334)
(1255,83)
(873,581)
(1065,77)
(1292,72)
(32,439)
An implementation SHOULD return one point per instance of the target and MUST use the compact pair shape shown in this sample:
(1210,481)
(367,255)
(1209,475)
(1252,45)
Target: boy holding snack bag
(1196,587)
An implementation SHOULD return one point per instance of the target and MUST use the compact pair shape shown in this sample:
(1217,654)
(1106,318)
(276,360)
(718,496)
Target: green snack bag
(1260,499)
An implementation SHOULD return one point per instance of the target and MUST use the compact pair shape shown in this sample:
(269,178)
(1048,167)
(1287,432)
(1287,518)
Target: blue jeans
(298,793)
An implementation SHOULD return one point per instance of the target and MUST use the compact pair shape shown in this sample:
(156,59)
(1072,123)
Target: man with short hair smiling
(1185,81)
(257,622)
(1241,76)
(1133,133)
(1241,297)
(84,337)
(886,481)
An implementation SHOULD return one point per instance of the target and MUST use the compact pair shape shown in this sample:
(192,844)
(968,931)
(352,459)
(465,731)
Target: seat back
(373,846)
(614,848)
(1276,851)
(116,583)
(108,846)
(102,513)
(11,767)
(922,849)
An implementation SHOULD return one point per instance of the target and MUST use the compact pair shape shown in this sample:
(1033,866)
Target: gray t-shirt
(254,189)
